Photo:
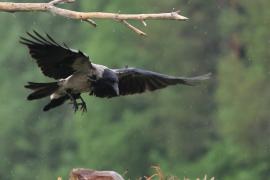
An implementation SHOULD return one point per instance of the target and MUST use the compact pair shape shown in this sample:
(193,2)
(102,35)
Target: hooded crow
(76,74)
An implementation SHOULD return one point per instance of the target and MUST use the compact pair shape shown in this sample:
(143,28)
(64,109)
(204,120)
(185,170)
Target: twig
(92,22)
(87,16)
(54,2)
(133,28)
(144,23)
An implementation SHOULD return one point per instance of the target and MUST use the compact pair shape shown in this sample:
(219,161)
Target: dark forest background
(220,128)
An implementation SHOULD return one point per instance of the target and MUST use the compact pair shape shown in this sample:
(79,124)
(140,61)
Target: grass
(159,175)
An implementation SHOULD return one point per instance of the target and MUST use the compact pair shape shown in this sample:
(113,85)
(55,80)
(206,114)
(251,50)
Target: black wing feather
(55,61)
(132,80)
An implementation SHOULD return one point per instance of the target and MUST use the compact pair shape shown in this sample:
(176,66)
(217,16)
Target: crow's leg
(73,100)
(83,104)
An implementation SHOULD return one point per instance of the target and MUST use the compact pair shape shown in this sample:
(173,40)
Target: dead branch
(87,16)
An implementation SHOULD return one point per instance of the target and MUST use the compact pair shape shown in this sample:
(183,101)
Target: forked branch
(88,16)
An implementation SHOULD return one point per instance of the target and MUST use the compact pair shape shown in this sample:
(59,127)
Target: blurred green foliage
(220,128)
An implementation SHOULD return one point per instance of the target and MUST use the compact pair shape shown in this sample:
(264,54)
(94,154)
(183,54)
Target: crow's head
(106,85)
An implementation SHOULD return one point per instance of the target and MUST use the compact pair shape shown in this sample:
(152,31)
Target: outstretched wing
(132,80)
(56,61)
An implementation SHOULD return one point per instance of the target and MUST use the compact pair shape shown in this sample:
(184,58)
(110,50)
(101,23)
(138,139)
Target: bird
(75,73)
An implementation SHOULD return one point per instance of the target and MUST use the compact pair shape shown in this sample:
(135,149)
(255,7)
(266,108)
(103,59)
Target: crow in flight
(76,74)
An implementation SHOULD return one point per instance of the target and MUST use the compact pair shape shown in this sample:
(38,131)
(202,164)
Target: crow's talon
(83,106)
(75,106)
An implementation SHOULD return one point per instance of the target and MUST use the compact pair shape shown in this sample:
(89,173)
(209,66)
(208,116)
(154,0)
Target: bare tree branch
(87,16)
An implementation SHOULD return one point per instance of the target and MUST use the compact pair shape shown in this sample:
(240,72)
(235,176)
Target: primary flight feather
(76,74)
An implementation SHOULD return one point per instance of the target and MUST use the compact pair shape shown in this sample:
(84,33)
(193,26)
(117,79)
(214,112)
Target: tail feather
(55,102)
(34,85)
(41,90)
(191,81)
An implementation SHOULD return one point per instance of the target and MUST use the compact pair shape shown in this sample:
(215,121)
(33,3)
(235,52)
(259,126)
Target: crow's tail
(195,80)
(41,90)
